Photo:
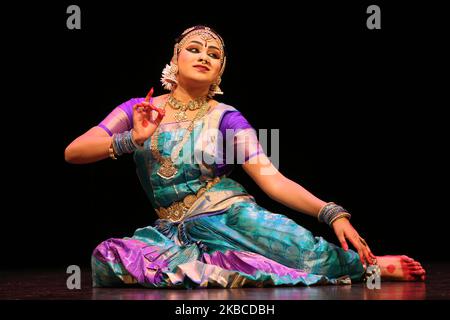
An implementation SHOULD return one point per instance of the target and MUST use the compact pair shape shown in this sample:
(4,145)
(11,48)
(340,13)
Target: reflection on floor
(51,284)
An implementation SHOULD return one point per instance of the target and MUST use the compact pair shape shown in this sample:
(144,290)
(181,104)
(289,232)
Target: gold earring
(214,88)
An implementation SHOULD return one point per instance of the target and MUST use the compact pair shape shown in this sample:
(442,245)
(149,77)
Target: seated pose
(210,231)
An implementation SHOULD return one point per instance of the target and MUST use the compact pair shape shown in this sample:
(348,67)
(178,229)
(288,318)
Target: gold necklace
(167,169)
(182,107)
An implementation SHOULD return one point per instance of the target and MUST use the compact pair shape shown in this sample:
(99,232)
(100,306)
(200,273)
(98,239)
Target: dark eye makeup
(195,50)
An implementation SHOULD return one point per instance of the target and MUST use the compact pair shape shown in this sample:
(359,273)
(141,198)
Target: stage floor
(51,285)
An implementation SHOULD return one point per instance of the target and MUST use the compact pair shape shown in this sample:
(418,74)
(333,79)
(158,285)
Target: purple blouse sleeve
(121,118)
(245,141)
(233,120)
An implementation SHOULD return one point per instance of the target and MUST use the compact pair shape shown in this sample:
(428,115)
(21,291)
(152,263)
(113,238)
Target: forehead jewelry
(169,73)
(206,35)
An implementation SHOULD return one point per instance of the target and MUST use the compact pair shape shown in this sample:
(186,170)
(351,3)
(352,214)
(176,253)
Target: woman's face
(199,60)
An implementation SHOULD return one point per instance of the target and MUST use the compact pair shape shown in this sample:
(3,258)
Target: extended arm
(91,146)
(280,188)
(138,116)
(294,196)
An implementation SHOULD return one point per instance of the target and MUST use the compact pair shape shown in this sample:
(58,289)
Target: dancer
(210,232)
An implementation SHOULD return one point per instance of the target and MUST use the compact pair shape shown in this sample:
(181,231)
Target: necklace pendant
(167,169)
(181,116)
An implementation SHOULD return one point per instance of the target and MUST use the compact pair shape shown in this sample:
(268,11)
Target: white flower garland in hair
(169,76)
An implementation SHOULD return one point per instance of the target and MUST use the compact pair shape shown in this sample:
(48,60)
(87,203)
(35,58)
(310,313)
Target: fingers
(161,112)
(368,253)
(343,242)
(138,107)
(148,107)
(374,257)
(362,257)
(369,257)
(149,95)
(364,252)
(365,255)
(354,239)
(142,106)
(141,110)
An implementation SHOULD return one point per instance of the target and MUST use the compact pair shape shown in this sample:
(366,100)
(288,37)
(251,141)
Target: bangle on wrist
(124,143)
(330,212)
(343,215)
(137,145)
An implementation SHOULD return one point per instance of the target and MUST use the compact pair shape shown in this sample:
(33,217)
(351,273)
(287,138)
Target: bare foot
(400,268)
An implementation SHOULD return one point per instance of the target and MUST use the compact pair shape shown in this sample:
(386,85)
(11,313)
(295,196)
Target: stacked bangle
(123,143)
(339,216)
(331,212)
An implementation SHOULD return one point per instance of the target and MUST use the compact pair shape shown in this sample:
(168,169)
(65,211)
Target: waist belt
(177,210)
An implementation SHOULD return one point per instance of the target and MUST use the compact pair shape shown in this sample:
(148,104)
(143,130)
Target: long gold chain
(168,169)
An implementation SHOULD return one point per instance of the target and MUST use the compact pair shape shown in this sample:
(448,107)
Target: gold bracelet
(343,215)
(112,154)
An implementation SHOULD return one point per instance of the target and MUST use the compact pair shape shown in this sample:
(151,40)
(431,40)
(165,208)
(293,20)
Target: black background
(360,114)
